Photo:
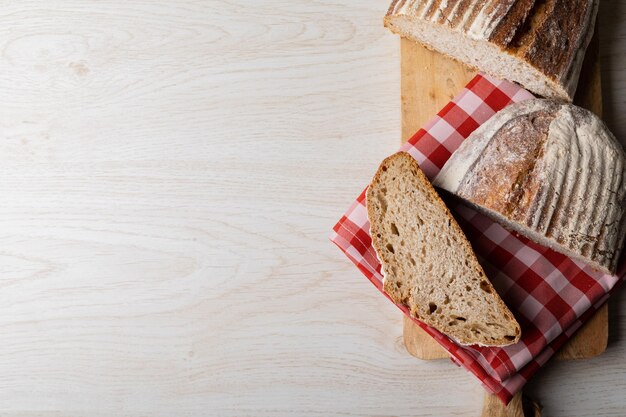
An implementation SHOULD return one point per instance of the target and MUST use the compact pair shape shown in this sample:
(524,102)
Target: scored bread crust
(551,171)
(539,44)
(465,307)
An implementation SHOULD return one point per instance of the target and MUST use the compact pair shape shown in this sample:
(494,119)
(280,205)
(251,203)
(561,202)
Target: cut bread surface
(481,55)
(428,264)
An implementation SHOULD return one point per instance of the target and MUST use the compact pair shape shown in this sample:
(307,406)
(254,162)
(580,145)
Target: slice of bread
(428,264)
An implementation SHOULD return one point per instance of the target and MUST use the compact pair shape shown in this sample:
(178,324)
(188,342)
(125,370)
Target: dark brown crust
(455,19)
(432,8)
(513,190)
(443,19)
(512,22)
(391,290)
(393,5)
(555,41)
(471,19)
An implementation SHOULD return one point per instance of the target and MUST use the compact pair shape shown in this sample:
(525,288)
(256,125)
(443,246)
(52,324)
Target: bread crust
(560,175)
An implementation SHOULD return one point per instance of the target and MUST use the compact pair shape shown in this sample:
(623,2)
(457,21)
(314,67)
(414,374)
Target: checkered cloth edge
(550,294)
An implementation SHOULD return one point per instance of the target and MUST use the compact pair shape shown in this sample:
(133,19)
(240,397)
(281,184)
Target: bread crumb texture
(429,266)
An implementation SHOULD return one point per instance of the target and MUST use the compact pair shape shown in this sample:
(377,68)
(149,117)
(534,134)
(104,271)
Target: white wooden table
(170,172)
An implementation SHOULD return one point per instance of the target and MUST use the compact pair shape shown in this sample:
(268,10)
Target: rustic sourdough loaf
(551,171)
(428,264)
(539,44)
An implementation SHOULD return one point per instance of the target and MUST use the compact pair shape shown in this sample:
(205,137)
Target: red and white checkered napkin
(550,294)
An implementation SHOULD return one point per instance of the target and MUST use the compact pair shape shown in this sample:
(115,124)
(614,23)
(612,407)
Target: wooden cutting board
(429,81)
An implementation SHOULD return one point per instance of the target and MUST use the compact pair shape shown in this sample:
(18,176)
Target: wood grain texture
(419,344)
(170,173)
(520,406)
(429,81)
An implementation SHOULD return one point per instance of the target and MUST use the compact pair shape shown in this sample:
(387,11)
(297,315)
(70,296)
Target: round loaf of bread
(552,172)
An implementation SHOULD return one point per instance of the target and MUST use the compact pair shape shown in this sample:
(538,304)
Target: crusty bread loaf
(539,44)
(428,264)
(551,171)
